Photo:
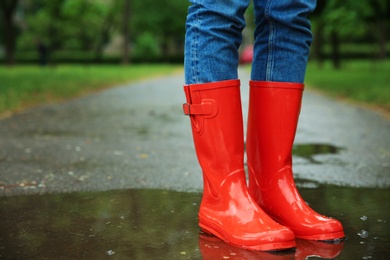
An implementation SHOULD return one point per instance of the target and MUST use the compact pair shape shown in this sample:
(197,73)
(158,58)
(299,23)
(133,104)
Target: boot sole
(277,246)
(330,237)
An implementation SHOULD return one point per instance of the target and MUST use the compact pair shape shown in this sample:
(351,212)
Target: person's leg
(213,36)
(282,40)
(214,107)
(281,51)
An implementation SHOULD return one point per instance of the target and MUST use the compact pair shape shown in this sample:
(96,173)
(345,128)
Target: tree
(162,20)
(107,24)
(97,16)
(67,24)
(88,25)
(126,31)
(342,20)
(346,21)
(378,21)
(8,8)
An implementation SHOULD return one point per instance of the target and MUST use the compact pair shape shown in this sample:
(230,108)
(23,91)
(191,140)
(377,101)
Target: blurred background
(86,31)
(349,56)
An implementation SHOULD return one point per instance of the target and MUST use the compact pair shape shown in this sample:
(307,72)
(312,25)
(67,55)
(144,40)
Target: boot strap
(206,108)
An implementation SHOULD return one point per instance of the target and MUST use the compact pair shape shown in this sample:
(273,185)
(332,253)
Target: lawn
(363,81)
(22,87)
(27,86)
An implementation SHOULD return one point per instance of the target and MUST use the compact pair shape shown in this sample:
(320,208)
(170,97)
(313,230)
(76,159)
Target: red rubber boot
(227,210)
(274,109)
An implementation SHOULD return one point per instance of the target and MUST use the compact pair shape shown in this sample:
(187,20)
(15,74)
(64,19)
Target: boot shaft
(272,123)
(217,125)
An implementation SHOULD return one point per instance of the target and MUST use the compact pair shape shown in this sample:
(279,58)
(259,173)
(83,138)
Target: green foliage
(65,24)
(351,18)
(146,47)
(344,17)
(88,25)
(163,18)
(336,23)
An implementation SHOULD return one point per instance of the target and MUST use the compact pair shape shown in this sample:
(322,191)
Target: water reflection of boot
(227,210)
(213,248)
(274,109)
(309,248)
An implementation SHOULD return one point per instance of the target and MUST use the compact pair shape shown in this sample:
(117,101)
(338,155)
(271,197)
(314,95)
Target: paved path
(135,136)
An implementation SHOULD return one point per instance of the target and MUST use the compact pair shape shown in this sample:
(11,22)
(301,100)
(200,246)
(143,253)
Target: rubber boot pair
(229,210)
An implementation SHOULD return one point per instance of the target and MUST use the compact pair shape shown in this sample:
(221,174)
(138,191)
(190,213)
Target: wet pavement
(162,224)
(114,175)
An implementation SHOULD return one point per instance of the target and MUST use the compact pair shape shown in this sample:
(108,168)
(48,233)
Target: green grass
(27,86)
(359,80)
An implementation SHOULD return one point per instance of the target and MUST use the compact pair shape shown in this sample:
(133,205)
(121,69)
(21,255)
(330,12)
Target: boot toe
(328,230)
(260,238)
(269,240)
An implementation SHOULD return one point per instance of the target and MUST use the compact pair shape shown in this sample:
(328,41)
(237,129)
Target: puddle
(159,224)
(308,151)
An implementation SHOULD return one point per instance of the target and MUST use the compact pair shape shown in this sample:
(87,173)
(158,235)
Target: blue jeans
(213,36)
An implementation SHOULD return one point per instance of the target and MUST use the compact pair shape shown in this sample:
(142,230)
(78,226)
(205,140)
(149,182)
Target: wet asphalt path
(135,136)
